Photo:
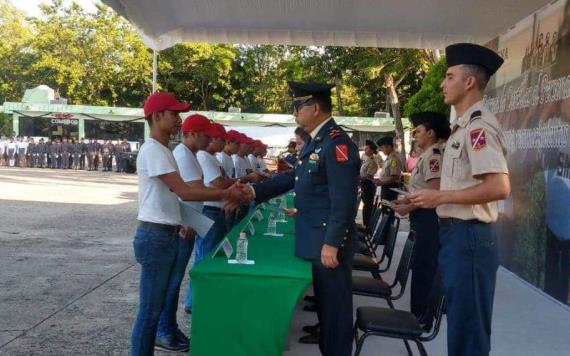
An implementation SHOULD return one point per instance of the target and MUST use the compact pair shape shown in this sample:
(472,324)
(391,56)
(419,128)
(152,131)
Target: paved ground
(68,279)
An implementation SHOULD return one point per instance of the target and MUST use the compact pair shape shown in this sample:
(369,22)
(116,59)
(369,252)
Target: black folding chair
(388,232)
(373,287)
(401,324)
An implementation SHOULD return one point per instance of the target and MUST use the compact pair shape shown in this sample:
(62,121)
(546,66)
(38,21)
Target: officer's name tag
(227,247)
(250,228)
(258,216)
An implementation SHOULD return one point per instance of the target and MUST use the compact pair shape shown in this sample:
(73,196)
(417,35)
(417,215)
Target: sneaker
(180,337)
(169,343)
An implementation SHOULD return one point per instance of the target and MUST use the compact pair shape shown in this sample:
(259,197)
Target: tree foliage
(99,59)
(430,96)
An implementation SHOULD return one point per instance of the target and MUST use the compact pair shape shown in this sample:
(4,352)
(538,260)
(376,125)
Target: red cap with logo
(160,101)
(197,123)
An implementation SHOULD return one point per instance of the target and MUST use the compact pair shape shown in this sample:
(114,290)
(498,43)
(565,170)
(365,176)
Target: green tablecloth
(246,309)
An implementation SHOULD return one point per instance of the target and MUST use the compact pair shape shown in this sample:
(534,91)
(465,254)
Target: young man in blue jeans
(157,236)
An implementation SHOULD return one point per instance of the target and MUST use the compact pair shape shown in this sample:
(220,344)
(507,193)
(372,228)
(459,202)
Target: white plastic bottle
(241,251)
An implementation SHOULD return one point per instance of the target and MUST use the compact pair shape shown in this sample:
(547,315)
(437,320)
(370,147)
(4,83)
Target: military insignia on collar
(341,153)
(455,144)
(335,133)
(434,165)
(478,138)
(314,157)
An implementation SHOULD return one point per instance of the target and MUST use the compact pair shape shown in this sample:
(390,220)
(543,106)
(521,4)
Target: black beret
(434,120)
(371,144)
(388,140)
(306,89)
(469,53)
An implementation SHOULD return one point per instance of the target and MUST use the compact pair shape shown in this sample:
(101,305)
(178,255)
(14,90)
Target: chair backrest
(380,235)
(391,237)
(435,307)
(405,263)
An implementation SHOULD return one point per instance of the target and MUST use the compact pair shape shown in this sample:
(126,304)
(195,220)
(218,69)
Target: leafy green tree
(430,96)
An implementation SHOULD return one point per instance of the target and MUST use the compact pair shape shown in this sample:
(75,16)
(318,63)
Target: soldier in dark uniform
(32,153)
(65,153)
(125,148)
(97,157)
(42,154)
(82,153)
(107,153)
(325,180)
(55,153)
(474,177)
(91,154)
(75,153)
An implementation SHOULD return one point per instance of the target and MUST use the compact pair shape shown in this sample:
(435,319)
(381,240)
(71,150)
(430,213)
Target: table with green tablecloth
(246,309)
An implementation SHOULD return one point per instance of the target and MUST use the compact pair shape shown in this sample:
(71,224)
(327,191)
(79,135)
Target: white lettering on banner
(540,137)
(544,92)
(65,121)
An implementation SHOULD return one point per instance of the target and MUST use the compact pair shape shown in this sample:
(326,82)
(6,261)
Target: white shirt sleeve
(210,166)
(187,164)
(158,162)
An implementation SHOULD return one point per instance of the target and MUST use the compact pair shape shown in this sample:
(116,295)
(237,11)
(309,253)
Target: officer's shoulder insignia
(434,165)
(478,138)
(335,133)
(341,153)
(475,115)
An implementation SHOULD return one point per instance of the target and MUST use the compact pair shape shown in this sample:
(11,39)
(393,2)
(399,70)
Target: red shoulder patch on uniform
(434,165)
(335,133)
(478,138)
(341,153)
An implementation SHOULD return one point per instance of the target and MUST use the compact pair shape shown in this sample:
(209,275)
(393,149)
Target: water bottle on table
(241,251)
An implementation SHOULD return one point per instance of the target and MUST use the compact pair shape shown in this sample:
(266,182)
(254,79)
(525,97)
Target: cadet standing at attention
(391,170)
(429,129)
(474,176)
(325,180)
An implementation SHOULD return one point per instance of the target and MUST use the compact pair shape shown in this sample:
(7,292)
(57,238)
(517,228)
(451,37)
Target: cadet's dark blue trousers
(468,260)
(425,224)
(333,290)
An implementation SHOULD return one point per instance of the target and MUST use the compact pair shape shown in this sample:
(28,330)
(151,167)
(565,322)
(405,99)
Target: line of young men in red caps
(208,168)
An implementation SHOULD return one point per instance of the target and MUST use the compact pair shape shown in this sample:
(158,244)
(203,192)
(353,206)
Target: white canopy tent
(361,23)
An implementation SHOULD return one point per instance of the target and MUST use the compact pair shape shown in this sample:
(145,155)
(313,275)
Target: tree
(430,96)
(198,72)
(15,54)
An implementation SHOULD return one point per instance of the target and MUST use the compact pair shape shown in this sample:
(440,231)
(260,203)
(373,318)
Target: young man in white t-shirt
(157,236)
(241,163)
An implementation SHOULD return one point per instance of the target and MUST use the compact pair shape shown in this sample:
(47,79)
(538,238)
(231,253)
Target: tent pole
(154,68)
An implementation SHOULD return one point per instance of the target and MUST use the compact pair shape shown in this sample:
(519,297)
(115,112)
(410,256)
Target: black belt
(167,228)
(450,221)
(209,207)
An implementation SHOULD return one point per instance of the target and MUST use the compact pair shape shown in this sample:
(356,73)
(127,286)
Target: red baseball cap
(197,123)
(233,136)
(160,101)
(217,130)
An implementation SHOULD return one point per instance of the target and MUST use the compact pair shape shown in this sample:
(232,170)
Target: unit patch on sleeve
(478,138)
(434,165)
(341,153)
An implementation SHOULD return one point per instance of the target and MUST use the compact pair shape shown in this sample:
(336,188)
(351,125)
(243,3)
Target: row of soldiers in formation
(66,153)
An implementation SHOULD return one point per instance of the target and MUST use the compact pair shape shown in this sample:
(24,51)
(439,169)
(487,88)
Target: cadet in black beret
(474,176)
(392,169)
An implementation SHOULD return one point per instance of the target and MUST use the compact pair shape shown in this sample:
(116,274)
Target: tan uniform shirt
(476,146)
(392,166)
(427,168)
(368,167)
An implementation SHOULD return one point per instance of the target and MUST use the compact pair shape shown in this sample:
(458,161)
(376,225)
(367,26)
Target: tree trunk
(395,106)
(338,97)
